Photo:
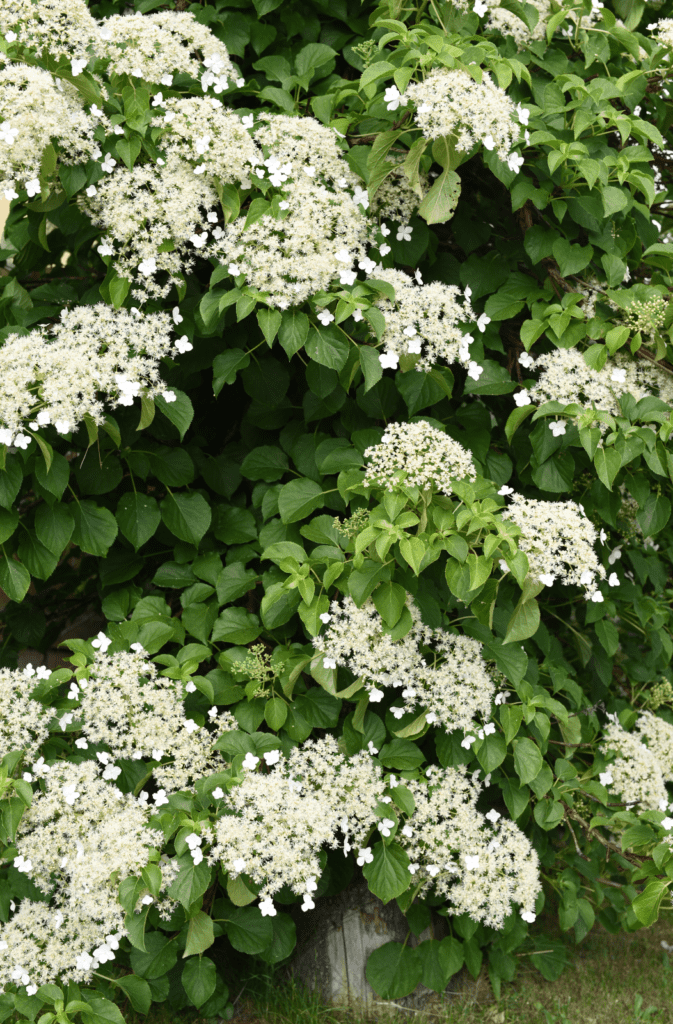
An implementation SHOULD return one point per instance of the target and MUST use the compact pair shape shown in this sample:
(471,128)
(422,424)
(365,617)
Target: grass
(613,979)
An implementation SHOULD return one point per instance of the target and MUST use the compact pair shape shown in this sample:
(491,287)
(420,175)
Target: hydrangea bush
(336,378)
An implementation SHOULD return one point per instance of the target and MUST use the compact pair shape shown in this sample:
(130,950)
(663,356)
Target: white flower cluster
(155,46)
(77,841)
(64,28)
(636,772)
(558,540)
(277,821)
(126,705)
(664,32)
(32,112)
(23,725)
(316,231)
(481,864)
(417,455)
(657,734)
(566,378)
(452,691)
(148,207)
(209,135)
(424,320)
(396,199)
(509,24)
(450,102)
(56,375)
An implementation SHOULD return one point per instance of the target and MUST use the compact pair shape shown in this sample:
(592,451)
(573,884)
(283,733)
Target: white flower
(217,793)
(558,427)
(361,196)
(365,856)
(474,370)
(468,741)
(102,642)
(385,230)
(613,580)
(389,360)
(547,578)
(482,322)
(515,162)
(372,749)
(489,729)
(528,916)
(384,249)
(471,862)
(602,536)
(597,597)
(614,555)
(148,266)
(272,756)
(325,317)
(169,396)
(267,908)
(183,344)
(10,194)
(21,441)
(493,815)
(239,864)
(605,779)
(522,398)
(33,187)
(160,798)
(667,823)
(488,142)
(329,663)
(480,9)
(618,376)
(77,66)
(343,256)
(70,794)
(385,826)
(250,762)
(524,113)
(308,903)
(248,120)
(109,163)
(404,233)
(375,695)
(10,37)
(505,490)
(367,264)
(393,99)
(198,240)
(347,277)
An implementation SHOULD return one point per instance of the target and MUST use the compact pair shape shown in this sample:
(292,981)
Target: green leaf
(441,199)
(236,626)
(571,258)
(199,977)
(159,956)
(187,516)
(9,520)
(298,499)
(371,366)
(191,882)
(200,934)
(647,904)
(526,616)
(402,755)
(378,166)
(138,991)
(293,331)
(180,412)
(394,970)
(440,960)
(327,346)
(389,600)
(275,713)
(614,200)
(247,930)
(608,462)
(138,517)
(654,515)
(527,759)
(269,321)
(387,874)
(95,528)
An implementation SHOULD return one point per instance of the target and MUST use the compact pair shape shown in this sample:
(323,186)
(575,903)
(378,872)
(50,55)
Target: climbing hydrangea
(417,455)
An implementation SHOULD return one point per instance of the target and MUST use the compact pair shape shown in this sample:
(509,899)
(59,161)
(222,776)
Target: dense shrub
(335,375)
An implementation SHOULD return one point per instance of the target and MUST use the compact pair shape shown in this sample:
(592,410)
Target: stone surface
(334,942)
